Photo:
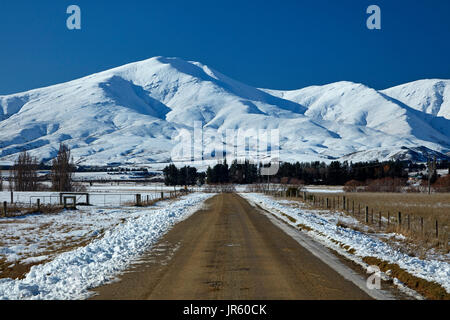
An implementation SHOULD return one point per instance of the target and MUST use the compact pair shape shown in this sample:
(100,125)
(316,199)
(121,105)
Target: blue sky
(280,44)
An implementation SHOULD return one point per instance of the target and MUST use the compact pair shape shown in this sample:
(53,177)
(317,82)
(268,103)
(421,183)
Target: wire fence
(414,225)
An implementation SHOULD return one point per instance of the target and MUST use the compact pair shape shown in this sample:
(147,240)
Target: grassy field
(420,214)
(434,206)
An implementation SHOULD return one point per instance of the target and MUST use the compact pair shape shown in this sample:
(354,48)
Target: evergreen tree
(202,178)
(210,177)
(171,175)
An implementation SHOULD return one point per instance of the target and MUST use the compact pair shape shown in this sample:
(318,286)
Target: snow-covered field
(36,237)
(116,238)
(323,189)
(105,196)
(325,229)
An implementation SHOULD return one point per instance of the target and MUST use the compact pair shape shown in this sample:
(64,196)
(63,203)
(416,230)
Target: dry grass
(419,213)
(19,270)
(304,227)
(291,219)
(434,206)
(17,210)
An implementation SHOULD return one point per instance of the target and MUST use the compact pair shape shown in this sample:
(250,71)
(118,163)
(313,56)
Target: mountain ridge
(133,113)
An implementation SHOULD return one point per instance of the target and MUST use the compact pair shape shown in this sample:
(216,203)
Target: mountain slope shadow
(126,94)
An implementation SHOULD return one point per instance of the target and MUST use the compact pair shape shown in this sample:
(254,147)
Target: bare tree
(432,174)
(24,173)
(62,169)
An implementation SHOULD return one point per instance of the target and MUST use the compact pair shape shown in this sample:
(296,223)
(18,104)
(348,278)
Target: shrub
(386,185)
(292,191)
(442,184)
(353,186)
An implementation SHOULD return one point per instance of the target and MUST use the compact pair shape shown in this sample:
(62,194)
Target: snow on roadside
(71,274)
(34,237)
(325,230)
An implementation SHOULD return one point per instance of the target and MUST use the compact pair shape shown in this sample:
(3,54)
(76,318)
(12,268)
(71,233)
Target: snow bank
(72,274)
(325,229)
(31,236)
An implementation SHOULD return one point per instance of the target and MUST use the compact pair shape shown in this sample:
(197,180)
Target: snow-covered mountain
(429,96)
(132,115)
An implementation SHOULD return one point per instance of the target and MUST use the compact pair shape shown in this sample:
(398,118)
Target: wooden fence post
(367,214)
(138,200)
(5,209)
(399,219)
(12,195)
(421,224)
(327,203)
(437,229)
(39,204)
(409,222)
(353,207)
(343,203)
(379,220)
(388,218)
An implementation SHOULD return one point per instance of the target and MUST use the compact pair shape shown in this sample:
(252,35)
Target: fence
(412,224)
(36,202)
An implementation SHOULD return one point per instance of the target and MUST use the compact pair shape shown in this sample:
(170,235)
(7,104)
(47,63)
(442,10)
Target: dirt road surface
(230,251)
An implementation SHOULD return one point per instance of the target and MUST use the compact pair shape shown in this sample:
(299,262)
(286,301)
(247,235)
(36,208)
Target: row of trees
(335,173)
(221,173)
(24,176)
(186,176)
(237,173)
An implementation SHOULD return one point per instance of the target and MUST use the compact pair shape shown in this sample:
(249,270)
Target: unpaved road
(230,251)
